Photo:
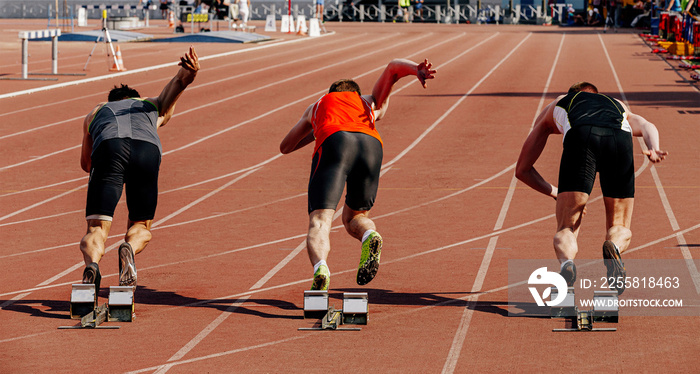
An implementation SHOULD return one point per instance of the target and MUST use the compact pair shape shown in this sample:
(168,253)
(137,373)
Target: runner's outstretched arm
(189,66)
(396,70)
(531,151)
(300,135)
(647,130)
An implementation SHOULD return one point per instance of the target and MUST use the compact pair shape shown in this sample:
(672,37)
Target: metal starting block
(583,321)
(605,306)
(355,308)
(330,321)
(93,319)
(315,304)
(565,309)
(83,300)
(121,304)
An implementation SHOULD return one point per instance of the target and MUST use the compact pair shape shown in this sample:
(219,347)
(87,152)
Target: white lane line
(453,107)
(37,158)
(692,268)
(465,321)
(41,127)
(206,196)
(44,187)
(203,334)
(42,217)
(39,203)
(224,353)
(141,70)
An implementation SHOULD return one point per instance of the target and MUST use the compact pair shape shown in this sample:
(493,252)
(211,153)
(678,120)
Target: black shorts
(119,162)
(591,149)
(345,157)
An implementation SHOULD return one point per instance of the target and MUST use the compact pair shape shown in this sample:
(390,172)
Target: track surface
(221,284)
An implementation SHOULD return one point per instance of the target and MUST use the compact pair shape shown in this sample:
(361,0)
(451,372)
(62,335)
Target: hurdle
(25,36)
(146,10)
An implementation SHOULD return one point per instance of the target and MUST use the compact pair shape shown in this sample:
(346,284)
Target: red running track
(221,284)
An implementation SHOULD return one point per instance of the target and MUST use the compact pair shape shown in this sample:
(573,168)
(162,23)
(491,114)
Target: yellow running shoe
(369,261)
(322,278)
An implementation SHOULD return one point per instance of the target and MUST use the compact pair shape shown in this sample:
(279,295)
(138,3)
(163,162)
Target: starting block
(83,300)
(605,309)
(121,304)
(584,322)
(93,319)
(355,308)
(355,311)
(605,306)
(565,309)
(315,304)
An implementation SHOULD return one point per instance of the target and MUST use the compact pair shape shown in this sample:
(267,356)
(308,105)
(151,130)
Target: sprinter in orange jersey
(348,150)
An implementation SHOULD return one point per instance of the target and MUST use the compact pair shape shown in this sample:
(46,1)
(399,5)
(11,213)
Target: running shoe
(568,272)
(369,261)
(616,269)
(91,275)
(127,267)
(322,278)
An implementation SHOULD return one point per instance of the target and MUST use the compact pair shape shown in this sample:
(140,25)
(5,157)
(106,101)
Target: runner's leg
(570,207)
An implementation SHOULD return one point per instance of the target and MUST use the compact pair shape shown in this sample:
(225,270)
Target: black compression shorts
(591,149)
(119,162)
(351,157)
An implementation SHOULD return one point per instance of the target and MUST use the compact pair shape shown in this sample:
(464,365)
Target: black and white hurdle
(25,36)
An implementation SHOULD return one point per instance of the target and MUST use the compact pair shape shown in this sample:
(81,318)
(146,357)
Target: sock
(564,263)
(366,234)
(318,264)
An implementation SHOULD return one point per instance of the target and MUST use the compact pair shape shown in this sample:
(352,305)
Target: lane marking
(39,203)
(37,158)
(44,187)
(203,334)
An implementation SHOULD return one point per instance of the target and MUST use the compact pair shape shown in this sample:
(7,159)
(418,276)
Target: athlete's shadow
(57,309)
(145,295)
(446,299)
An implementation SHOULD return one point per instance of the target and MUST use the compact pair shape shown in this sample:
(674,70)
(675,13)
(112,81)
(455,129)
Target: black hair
(121,93)
(345,85)
(583,86)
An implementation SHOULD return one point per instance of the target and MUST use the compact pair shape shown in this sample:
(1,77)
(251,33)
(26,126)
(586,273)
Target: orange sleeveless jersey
(342,111)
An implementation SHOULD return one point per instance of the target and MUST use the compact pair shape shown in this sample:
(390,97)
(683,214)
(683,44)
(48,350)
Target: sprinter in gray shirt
(121,147)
